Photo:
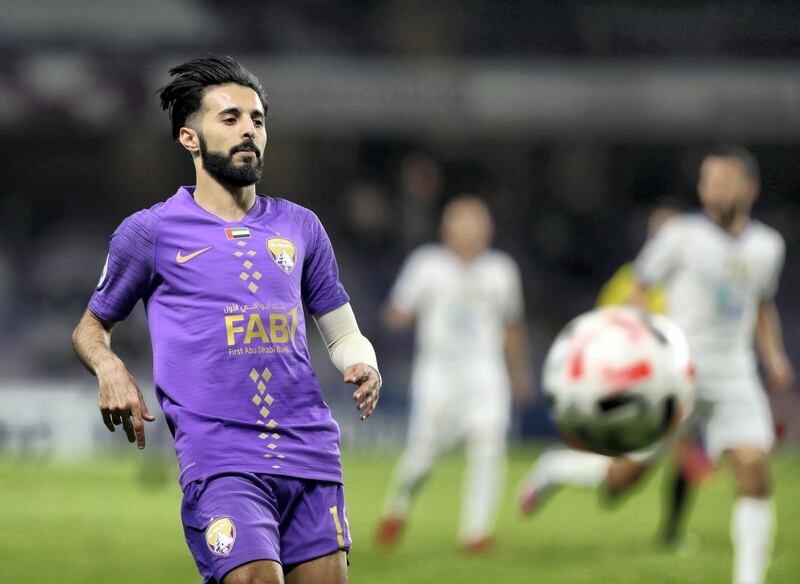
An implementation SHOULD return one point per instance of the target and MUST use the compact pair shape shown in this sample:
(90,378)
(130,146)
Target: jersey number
(334,511)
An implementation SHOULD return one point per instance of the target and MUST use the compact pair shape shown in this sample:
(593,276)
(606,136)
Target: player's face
(725,190)
(466,228)
(233,134)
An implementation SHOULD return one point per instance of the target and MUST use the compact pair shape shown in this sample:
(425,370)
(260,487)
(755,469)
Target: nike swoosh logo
(182,259)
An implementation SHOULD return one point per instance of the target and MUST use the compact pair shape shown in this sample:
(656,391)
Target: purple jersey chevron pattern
(231,364)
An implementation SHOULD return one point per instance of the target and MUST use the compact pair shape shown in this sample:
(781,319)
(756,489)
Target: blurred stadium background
(571,118)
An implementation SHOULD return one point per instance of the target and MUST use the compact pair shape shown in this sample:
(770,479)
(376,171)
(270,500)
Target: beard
(226,170)
(726,215)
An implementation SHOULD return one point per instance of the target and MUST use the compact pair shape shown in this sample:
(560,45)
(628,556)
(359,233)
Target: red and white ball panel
(618,380)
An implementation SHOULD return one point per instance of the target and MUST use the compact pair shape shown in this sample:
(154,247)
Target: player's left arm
(353,355)
(516,336)
(768,334)
(516,350)
(326,299)
(769,343)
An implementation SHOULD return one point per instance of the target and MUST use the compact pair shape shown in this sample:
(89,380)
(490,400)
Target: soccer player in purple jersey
(224,274)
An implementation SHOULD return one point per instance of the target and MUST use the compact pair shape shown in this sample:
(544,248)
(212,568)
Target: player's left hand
(780,374)
(369,387)
(522,393)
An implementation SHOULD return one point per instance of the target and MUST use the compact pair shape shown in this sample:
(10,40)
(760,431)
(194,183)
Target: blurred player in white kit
(470,356)
(721,270)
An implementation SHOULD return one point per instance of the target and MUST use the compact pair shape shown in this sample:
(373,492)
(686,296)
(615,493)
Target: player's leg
(741,426)
(426,438)
(315,534)
(559,467)
(751,472)
(677,493)
(330,569)
(689,465)
(623,473)
(484,395)
(416,461)
(753,514)
(566,467)
(231,523)
(484,478)
(258,572)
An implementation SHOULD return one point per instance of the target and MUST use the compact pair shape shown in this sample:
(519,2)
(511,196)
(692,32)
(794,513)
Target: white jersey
(715,282)
(461,308)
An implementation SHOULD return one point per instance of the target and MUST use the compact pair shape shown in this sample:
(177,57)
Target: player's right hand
(122,403)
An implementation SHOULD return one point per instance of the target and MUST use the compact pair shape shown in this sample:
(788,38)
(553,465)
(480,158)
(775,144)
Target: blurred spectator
(366,216)
(420,191)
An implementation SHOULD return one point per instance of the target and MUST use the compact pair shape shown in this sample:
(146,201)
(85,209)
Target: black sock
(676,504)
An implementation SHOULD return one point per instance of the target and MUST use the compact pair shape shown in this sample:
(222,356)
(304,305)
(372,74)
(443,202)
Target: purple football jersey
(224,304)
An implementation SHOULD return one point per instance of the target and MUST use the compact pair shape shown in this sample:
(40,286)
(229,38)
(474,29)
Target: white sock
(483,485)
(413,467)
(751,532)
(569,467)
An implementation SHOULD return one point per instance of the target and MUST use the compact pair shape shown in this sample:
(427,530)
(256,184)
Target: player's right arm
(407,292)
(120,399)
(639,293)
(128,276)
(656,261)
(397,319)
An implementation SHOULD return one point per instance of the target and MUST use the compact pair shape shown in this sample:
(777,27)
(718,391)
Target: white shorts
(451,402)
(738,415)
(730,413)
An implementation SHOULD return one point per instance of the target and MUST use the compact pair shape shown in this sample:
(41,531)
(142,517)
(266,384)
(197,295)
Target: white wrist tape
(346,345)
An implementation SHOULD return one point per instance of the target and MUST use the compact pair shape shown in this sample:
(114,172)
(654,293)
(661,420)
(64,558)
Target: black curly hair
(183,96)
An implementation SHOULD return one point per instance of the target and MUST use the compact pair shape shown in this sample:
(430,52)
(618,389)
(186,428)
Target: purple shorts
(232,519)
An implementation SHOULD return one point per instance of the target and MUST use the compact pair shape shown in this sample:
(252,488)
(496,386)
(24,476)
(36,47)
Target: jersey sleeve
(321,289)
(129,272)
(514,304)
(409,288)
(659,256)
(775,269)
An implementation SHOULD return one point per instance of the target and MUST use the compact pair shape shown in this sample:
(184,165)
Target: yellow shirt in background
(619,289)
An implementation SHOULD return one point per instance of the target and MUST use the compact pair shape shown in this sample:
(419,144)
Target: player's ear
(189,139)
(753,190)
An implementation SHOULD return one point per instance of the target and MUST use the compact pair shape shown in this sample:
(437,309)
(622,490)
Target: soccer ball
(618,380)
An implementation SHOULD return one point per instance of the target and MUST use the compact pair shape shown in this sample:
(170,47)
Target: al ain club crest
(220,536)
(283,253)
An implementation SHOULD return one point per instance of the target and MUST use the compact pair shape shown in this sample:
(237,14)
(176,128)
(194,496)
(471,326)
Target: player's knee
(418,459)
(682,452)
(488,450)
(623,474)
(755,484)
(259,572)
(751,469)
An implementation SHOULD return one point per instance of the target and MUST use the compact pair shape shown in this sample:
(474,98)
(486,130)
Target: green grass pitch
(99,522)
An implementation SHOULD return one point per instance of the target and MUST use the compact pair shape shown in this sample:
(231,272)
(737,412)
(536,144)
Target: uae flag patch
(237,233)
